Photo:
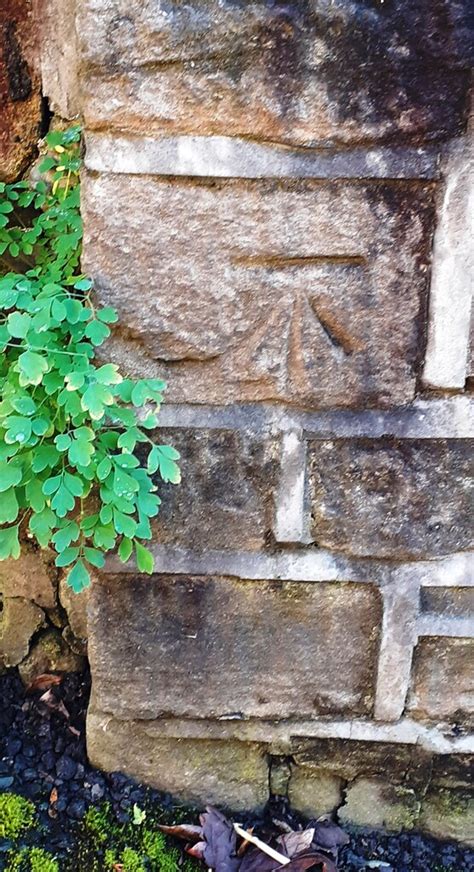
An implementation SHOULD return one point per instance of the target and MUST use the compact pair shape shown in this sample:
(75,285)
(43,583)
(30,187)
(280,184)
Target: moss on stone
(17,815)
(31,860)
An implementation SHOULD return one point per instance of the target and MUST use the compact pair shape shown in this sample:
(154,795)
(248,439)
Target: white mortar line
(290,515)
(233,157)
(437,625)
(400,608)
(452,272)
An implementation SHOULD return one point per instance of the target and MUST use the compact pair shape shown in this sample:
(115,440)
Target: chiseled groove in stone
(445,418)
(400,609)
(437,625)
(232,157)
(446,362)
(290,515)
(311,565)
(405,731)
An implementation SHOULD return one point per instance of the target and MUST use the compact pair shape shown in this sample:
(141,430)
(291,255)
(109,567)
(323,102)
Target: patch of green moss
(17,815)
(31,860)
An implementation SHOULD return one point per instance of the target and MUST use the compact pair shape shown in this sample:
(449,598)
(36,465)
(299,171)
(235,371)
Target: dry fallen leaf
(221,841)
(296,842)
(196,850)
(44,682)
(188,832)
(48,699)
(328,836)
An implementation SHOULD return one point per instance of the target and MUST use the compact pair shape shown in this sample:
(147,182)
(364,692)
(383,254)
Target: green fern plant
(70,474)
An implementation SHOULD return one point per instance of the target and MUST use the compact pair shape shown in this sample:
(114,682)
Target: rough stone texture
(55,24)
(260,649)
(20,92)
(314,792)
(443,681)
(19,620)
(229,774)
(76,609)
(49,653)
(224,499)
(305,73)
(392,498)
(448,601)
(251,290)
(31,577)
(449,814)
(380,804)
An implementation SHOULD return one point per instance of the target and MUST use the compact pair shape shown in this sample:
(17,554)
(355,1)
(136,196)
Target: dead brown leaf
(328,836)
(49,700)
(306,861)
(296,842)
(188,832)
(221,841)
(197,850)
(44,682)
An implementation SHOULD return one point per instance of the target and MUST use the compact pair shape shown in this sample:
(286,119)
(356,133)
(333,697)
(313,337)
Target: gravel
(43,757)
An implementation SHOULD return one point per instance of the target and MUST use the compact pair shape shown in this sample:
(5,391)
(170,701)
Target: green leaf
(78,578)
(62,441)
(41,525)
(97,332)
(18,429)
(74,484)
(8,507)
(34,495)
(95,557)
(10,475)
(32,368)
(108,374)
(24,405)
(145,561)
(9,544)
(67,534)
(40,426)
(107,314)
(18,325)
(124,524)
(63,501)
(104,468)
(169,470)
(153,461)
(125,549)
(169,452)
(94,399)
(80,452)
(44,456)
(69,555)
(51,485)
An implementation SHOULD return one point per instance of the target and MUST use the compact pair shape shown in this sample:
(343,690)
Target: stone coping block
(251,290)
(300,73)
(225,648)
(229,774)
(389,498)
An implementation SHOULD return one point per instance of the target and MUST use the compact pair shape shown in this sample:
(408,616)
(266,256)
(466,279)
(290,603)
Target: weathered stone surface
(55,24)
(31,577)
(252,290)
(229,774)
(260,649)
(50,653)
(307,72)
(19,620)
(314,792)
(224,499)
(380,804)
(392,498)
(20,91)
(443,680)
(449,814)
(76,609)
(455,602)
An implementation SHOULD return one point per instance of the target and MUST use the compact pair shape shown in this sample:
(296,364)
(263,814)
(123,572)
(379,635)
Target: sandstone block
(442,681)
(76,609)
(20,89)
(19,620)
(378,803)
(453,602)
(249,290)
(30,577)
(222,647)
(229,774)
(50,653)
(224,499)
(449,814)
(390,498)
(303,73)
(314,792)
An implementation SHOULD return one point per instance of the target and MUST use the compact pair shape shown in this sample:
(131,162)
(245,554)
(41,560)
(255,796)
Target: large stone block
(225,496)
(443,681)
(19,620)
(380,804)
(249,290)
(310,72)
(32,577)
(228,773)
(392,498)
(221,647)
(20,90)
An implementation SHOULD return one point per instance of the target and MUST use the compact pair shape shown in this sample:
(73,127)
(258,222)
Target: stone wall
(278,200)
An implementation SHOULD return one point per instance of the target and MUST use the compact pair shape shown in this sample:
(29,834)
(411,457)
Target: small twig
(280,858)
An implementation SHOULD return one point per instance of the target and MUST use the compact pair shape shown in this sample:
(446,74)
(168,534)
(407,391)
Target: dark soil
(43,757)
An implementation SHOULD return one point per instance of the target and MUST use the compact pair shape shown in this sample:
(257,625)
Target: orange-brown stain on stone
(20,92)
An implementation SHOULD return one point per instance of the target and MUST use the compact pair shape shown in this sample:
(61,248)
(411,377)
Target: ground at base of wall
(43,758)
